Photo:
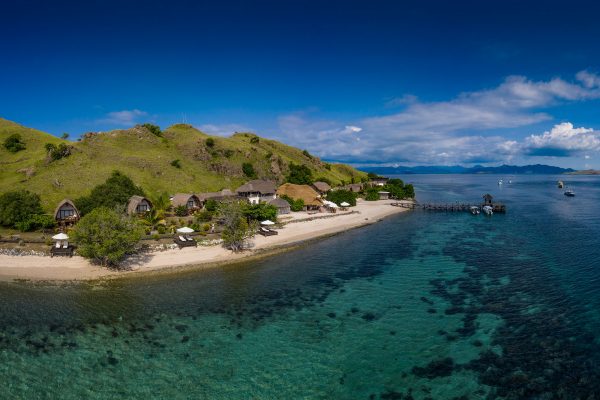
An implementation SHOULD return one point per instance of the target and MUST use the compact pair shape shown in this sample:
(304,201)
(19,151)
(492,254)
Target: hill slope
(147,158)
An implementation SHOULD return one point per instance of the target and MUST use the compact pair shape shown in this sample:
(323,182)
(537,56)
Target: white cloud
(125,117)
(588,79)
(351,129)
(563,140)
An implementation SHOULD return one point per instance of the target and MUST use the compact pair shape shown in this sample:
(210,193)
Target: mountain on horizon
(537,169)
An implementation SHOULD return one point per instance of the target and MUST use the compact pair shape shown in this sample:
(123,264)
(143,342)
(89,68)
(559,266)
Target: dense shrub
(36,221)
(295,205)
(115,192)
(18,206)
(260,212)
(255,140)
(300,175)
(211,205)
(210,142)
(248,170)
(155,129)
(340,196)
(14,143)
(372,193)
(57,152)
(176,164)
(181,211)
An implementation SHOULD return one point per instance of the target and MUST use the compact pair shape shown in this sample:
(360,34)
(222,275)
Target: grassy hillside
(147,158)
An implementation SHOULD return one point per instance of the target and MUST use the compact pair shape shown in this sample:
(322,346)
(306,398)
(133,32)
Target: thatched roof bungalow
(312,199)
(257,190)
(189,200)
(354,187)
(223,195)
(138,205)
(66,211)
(283,207)
(322,187)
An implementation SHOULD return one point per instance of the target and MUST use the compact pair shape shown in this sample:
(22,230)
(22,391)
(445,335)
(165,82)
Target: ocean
(423,305)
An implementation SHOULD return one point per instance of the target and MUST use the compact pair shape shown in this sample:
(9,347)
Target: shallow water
(422,305)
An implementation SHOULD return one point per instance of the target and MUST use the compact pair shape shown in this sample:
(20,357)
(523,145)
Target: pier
(452,207)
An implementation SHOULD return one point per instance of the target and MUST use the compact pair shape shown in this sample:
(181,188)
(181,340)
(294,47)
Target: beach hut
(138,205)
(321,187)
(384,195)
(189,200)
(66,212)
(312,199)
(283,207)
(379,181)
(487,199)
(257,191)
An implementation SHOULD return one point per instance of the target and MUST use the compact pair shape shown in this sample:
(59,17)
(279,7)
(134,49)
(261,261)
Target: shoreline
(304,229)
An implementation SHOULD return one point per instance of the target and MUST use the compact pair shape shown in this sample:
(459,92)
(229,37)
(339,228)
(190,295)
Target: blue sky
(370,82)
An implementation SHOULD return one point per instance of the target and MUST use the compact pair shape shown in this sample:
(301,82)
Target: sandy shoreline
(39,268)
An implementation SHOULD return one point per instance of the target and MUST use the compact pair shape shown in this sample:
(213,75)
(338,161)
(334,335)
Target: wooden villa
(257,191)
(312,199)
(138,205)
(322,187)
(66,213)
(188,200)
(283,207)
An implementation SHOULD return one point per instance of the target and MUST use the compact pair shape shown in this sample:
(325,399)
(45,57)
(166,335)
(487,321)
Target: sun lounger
(182,238)
(58,245)
(66,245)
(181,241)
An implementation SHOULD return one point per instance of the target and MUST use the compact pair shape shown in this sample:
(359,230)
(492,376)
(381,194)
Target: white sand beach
(305,227)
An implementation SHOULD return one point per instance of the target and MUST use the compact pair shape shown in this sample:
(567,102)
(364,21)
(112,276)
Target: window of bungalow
(191,204)
(64,213)
(143,207)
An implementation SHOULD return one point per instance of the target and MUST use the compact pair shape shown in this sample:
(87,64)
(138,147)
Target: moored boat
(569,193)
(560,184)
(474,210)
(488,210)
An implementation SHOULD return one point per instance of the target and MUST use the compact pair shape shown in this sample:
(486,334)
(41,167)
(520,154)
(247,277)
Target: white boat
(488,210)
(474,210)
(569,193)
(500,182)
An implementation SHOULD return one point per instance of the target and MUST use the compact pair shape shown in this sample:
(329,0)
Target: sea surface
(423,305)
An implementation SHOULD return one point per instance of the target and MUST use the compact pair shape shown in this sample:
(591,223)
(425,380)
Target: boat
(500,182)
(488,210)
(569,193)
(474,210)
(560,184)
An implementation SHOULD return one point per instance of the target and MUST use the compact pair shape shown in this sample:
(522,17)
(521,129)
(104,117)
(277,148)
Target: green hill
(147,158)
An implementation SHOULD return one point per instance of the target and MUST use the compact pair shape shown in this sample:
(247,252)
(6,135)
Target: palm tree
(162,202)
(154,218)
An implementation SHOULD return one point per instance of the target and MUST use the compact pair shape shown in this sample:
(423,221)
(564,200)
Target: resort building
(220,196)
(312,199)
(283,207)
(66,212)
(321,187)
(188,200)
(138,205)
(257,191)
(354,187)
(381,181)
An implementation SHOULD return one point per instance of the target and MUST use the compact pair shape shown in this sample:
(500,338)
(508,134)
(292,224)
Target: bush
(228,153)
(36,221)
(328,167)
(260,212)
(181,211)
(210,142)
(106,236)
(236,229)
(307,154)
(176,164)
(195,226)
(155,129)
(255,140)
(56,153)
(340,196)
(372,194)
(295,205)
(300,175)
(248,170)
(211,205)
(161,229)
(115,192)
(64,136)
(204,216)
(18,206)
(14,143)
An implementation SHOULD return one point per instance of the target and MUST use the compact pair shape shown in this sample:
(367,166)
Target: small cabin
(66,212)
(322,187)
(384,195)
(189,200)
(283,207)
(138,205)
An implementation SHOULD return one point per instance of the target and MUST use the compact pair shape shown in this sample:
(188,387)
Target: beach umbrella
(344,204)
(60,236)
(185,229)
(331,204)
(267,222)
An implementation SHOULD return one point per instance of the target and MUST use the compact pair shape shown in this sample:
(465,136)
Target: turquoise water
(422,305)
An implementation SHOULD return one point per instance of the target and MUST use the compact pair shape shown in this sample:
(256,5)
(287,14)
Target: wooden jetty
(451,207)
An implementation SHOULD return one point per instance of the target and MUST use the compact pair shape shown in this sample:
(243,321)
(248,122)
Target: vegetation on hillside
(23,210)
(14,143)
(114,193)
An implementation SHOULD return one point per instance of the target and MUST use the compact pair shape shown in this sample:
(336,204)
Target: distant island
(537,169)
(585,172)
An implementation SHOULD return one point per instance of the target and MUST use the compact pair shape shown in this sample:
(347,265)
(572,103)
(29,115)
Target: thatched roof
(134,201)
(279,203)
(353,187)
(304,192)
(181,199)
(223,194)
(65,202)
(322,187)
(257,186)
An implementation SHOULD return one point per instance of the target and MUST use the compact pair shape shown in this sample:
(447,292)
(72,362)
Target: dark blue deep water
(423,305)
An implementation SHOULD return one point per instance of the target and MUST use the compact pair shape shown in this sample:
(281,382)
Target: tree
(115,192)
(36,221)
(300,175)
(295,205)
(14,143)
(181,211)
(18,206)
(211,205)
(236,229)
(341,196)
(107,236)
(155,129)
(307,154)
(162,202)
(248,170)
(372,194)
(176,164)
(64,136)
(210,142)
(154,218)
(255,140)
(260,212)
(57,152)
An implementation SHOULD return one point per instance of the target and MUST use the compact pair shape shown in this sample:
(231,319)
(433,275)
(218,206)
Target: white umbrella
(185,229)
(331,204)
(267,222)
(60,236)
(344,204)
